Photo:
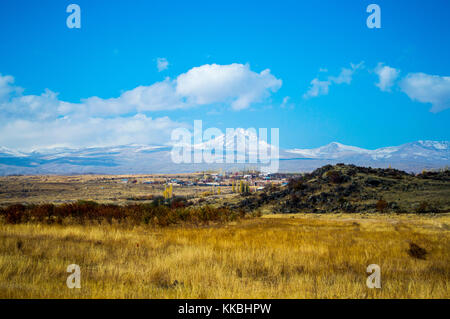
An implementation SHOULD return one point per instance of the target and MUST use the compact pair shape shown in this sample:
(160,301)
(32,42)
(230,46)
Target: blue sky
(51,73)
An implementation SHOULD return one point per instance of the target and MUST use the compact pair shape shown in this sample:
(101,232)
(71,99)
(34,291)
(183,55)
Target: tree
(168,191)
(241,186)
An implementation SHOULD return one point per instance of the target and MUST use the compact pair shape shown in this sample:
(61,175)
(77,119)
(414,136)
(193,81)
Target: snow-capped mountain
(331,151)
(4,151)
(420,150)
(136,159)
(430,150)
(239,140)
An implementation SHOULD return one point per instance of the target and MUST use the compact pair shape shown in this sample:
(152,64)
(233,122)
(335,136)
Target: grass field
(288,256)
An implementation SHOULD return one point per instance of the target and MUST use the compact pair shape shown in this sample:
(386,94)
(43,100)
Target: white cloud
(285,101)
(28,121)
(36,121)
(421,87)
(6,87)
(319,87)
(85,132)
(346,74)
(427,88)
(344,77)
(386,76)
(38,107)
(234,83)
(162,64)
(160,96)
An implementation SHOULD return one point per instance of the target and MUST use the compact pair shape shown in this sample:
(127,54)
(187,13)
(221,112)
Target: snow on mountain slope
(134,159)
(428,150)
(4,151)
(251,141)
(331,151)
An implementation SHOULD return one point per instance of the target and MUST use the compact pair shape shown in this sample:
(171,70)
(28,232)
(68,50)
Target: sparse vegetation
(285,256)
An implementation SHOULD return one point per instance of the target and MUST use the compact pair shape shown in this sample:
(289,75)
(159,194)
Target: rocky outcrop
(341,188)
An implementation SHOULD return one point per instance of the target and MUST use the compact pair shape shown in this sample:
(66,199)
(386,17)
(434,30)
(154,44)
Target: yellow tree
(170,190)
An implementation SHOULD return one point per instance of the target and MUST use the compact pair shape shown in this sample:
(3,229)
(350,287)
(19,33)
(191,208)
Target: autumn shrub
(381,205)
(14,213)
(83,212)
(44,212)
(178,202)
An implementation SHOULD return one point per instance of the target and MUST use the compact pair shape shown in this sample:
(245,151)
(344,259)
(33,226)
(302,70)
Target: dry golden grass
(301,256)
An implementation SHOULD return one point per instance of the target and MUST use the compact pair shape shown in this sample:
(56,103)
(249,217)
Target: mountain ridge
(137,158)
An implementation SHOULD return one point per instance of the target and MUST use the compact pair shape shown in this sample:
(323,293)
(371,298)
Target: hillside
(352,189)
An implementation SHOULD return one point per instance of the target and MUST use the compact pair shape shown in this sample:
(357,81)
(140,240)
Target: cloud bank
(36,121)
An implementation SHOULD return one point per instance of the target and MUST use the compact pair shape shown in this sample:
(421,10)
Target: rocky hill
(353,189)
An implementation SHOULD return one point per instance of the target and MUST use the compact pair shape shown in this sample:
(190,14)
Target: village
(217,181)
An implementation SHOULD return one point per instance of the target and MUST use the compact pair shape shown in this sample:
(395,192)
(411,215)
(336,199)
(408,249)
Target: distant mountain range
(415,151)
(143,159)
